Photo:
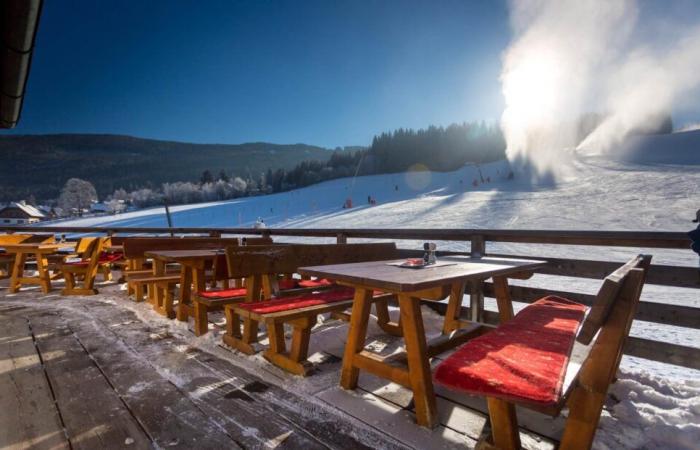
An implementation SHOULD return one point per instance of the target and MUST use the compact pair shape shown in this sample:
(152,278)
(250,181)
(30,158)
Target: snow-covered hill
(620,192)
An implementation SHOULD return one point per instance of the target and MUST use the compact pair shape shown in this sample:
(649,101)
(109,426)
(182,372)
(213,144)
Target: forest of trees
(437,148)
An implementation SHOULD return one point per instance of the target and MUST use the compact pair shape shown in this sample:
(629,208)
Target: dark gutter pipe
(19,22)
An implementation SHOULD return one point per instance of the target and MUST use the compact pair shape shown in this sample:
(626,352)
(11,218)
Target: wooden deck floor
(104,372)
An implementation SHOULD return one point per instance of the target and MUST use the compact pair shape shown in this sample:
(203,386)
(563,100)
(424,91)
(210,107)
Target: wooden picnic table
(192,273)
(41,252)
(447,278)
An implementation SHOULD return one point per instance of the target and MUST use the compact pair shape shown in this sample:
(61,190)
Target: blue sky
(320,72)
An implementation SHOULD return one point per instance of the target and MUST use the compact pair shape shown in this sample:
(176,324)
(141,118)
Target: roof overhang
(19,21)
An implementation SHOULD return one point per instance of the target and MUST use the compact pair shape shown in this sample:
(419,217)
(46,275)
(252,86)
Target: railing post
(341,238)
(476,288)
(478,246)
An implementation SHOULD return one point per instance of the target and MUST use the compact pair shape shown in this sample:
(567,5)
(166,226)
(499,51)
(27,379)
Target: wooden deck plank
(396,422)
(93,413)
(170,419)
(257,413)
(28,415)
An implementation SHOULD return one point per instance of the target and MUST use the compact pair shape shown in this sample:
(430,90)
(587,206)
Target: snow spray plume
(570,57)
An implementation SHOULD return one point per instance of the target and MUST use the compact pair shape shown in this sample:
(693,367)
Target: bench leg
(504,424)
(250,331)
(275,332)
(185,292)
(584,413)
(106,272)
(418,361)
(233,337)
(383,319)
(295,362)
(70,281)
(357,334)
(42,266)
(201,319)
(168,309)
(301,335)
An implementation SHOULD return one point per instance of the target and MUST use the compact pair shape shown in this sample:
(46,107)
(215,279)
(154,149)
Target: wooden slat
(663,352)
(92,411)
(28,415)
(678,276)
(642,239)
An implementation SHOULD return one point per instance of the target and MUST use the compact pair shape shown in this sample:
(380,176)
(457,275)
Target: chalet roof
(29,210)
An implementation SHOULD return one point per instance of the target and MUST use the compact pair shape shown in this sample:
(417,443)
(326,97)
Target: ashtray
(413,263)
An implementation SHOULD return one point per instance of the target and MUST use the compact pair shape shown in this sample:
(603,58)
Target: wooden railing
(665,275)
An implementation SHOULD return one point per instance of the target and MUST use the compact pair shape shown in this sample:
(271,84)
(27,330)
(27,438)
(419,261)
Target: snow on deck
(124,376)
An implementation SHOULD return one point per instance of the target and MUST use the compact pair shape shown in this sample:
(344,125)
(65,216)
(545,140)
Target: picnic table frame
(412,368)
(40,251)
(192,275)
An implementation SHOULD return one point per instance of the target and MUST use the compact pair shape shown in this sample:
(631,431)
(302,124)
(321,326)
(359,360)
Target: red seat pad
(522,360)
(224,293)
(322,282)
(287,283)
(110,257)
(303,301)
(240,292)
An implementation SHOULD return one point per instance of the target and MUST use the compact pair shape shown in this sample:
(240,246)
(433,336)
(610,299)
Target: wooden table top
(382,275)
(181,255)
(37,247)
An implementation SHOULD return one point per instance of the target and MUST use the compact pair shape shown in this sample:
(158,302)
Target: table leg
(17,271)
(357,334)
(42,266)
(185,290)
(476,300)
(454,306)
(384,321)
(418,361)
(505,304)
(155,292)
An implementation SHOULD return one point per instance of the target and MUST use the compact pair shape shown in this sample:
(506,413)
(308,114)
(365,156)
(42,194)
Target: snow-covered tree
(77,195)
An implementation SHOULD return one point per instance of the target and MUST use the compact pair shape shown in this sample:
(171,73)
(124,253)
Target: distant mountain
(39,165)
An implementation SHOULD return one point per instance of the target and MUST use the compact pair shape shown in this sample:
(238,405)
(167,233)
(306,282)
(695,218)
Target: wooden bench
(550,355)
(85,269)
(136,247)
(292,308)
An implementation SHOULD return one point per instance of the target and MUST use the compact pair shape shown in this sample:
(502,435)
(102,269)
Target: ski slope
(602,194)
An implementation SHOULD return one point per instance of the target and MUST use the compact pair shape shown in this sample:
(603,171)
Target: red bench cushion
(322,282)
(223,293)
(287,283)
(303,301)
(522,360)
(240,292)
(110,257)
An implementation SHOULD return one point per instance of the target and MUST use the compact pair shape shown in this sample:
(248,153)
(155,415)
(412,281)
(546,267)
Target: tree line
(435,148)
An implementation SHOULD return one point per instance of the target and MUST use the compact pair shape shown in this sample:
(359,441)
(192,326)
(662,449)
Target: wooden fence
(664,275)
